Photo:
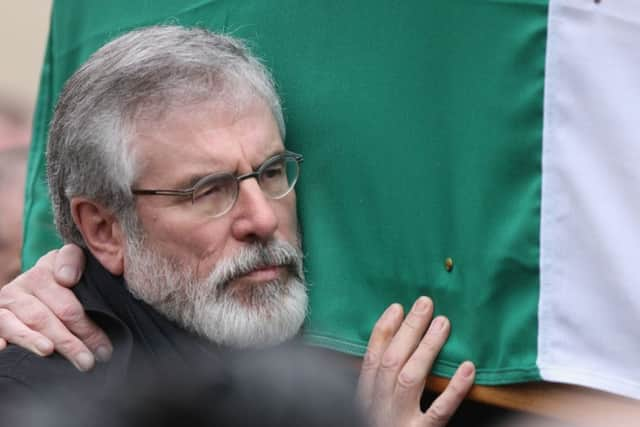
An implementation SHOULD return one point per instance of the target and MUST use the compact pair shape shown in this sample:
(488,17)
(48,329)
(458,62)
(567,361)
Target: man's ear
(101,232)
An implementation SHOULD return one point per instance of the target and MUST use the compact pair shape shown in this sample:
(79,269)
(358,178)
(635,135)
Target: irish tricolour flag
(483,152)
(508,190)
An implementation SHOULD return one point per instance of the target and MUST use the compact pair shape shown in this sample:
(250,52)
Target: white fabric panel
(589,313)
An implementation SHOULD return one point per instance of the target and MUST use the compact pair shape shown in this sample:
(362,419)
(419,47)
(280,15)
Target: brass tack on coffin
(448,264)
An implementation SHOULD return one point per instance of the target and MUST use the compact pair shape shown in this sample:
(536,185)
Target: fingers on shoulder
(47,261)
(26,309)
(39,311)
(13,330)
(56,301)
(22,288)
(43,323)
(62,267)
(68,265)
(70,254)
(62,302)
(66,307)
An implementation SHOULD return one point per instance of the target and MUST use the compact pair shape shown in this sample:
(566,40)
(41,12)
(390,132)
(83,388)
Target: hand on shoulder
(39,312)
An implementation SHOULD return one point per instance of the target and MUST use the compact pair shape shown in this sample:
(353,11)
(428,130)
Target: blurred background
(24,25)
(23,33)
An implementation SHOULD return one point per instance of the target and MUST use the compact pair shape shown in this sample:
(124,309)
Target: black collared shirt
(160,374)
(146,344)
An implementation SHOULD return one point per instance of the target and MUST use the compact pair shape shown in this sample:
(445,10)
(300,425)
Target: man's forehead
(203,139)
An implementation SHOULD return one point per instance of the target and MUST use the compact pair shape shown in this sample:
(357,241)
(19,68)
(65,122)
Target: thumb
(69,265)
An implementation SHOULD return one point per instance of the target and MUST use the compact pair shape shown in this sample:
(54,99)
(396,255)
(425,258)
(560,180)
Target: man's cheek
(289,223)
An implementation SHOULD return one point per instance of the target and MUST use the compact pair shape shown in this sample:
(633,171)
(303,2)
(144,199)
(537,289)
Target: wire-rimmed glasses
(215,195)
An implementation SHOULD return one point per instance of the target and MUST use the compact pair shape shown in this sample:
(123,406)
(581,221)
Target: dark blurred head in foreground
(285,386)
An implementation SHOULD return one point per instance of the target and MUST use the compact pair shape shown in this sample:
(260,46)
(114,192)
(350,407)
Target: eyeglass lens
(276,178)
(218,193)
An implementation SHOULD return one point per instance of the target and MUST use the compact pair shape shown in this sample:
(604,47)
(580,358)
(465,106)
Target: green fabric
(420,123)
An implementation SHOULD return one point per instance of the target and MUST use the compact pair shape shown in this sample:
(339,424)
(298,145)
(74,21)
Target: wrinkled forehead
(205,137)
(226,93)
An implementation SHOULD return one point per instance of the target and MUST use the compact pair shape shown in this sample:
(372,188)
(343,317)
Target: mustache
(275,253)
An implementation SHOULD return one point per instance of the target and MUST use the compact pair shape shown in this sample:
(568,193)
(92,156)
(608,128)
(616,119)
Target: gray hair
(139,76)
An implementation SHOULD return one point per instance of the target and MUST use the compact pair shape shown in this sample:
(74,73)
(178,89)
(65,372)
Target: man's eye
(273,172)
(213,190)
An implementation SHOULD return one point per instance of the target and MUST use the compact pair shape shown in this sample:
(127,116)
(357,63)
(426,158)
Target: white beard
(264,315)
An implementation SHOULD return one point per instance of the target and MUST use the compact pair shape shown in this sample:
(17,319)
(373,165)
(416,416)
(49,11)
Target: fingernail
(437,324)
(392,310)
(43,346)
(103,354)
(84,361)
(467,370)
(421,305)
(67,273)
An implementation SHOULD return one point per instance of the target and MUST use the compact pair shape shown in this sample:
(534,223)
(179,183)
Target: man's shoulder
(25,372)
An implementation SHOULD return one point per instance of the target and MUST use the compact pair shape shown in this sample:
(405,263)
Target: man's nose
(255,217)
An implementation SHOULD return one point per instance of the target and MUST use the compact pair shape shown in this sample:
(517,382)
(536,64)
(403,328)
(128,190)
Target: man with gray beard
(166,164)
(213,310)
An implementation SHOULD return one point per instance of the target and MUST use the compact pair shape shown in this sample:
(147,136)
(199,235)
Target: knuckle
(390,362)
(10,331)
(5,316)
(438,413)
(91,335)
(414,322)
(430,345)
(66,249)
(7,297)
(70,313)
(19,336)
(71,253)
(384,329)
(11,290)
(407,380)
(67,345)
(39,274)
(36,276)
(417,320)
(457,390)
(371,360)
(36,319)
